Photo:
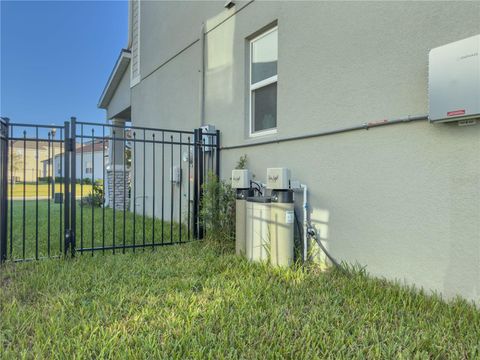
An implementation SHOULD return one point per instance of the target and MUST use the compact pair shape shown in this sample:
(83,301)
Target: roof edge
(119,69)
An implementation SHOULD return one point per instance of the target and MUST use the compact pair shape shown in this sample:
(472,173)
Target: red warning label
(456,113)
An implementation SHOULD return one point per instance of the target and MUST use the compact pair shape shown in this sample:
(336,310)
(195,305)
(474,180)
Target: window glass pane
(264,57)
(264,107)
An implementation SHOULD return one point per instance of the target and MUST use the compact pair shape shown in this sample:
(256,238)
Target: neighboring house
(24,165)
(88,165)
(402,200)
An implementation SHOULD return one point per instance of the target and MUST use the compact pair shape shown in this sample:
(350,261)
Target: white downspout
(305,220)
(202,75)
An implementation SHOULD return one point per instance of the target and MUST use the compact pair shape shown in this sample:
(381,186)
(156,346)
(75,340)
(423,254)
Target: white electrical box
(240,179)
(176,174)
(454,81)
(278,178)
(208,136)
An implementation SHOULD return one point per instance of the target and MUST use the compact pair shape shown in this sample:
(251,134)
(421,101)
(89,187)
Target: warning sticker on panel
(289,217)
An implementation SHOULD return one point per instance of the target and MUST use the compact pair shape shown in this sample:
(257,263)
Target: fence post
(66,180)
(196,136)
(73,183)
(4,188)
(217,154)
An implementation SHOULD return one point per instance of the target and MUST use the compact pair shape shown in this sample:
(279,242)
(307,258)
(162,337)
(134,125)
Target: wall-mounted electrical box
(208,136)
(176,174)
(240,179)
(454,81)
(278,178)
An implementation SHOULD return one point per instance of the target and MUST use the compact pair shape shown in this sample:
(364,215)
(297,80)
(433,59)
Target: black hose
(299,228)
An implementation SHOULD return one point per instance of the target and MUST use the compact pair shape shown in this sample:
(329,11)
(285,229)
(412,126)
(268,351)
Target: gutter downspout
(202,75)
(305,221)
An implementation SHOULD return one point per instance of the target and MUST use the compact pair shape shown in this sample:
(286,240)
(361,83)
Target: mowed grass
(197,301)
(43,190)
(44,237)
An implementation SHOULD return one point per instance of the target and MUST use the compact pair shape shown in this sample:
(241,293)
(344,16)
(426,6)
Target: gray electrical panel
(454,81)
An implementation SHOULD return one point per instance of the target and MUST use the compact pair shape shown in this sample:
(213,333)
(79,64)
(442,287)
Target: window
(263,83)
(88,167)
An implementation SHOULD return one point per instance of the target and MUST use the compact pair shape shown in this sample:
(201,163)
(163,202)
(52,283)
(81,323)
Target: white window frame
(258,85)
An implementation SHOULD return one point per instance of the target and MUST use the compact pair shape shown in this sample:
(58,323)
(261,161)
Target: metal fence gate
(85,187)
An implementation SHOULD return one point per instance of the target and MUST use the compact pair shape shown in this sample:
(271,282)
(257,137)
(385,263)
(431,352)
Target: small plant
(242,162)
(95,198)
(218,209)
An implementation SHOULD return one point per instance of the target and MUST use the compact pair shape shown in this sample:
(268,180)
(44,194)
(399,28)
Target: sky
(56,58)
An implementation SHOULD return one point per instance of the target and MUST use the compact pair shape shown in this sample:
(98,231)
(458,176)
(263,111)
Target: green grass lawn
(84,236)
(196,301)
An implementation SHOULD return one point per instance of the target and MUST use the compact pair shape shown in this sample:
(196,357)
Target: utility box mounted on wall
(454,81)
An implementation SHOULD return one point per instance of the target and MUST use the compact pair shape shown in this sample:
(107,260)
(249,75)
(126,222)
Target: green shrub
(96,198)
(218,209)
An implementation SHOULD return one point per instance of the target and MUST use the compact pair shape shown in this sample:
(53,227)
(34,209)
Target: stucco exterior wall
(402,200)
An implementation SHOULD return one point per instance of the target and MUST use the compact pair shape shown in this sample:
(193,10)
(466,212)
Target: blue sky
(56,57)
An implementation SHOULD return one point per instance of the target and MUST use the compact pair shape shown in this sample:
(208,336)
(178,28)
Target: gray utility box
(454,81)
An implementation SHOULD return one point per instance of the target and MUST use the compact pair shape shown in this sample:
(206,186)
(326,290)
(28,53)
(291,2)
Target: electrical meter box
(208,136)
(240,179)
(454,81)
(176,174)
(278,178)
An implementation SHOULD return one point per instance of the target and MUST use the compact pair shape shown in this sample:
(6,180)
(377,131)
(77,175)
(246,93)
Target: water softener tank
(241,182)
(282,217)
(281,228)
(240,220)
(258,219)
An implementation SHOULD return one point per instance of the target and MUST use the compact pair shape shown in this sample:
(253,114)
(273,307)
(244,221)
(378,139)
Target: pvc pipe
(202,74)
(365,126)
(305,220)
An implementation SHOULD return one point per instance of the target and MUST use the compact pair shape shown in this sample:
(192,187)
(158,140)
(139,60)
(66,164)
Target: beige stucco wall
(402,200)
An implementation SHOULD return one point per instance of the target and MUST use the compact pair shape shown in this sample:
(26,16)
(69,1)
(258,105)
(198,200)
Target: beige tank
(240,224)
(281,233)
(257,229)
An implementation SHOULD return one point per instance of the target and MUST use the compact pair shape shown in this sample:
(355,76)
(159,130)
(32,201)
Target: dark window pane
(264,107)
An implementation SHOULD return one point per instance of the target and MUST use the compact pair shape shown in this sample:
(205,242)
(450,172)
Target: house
(401,200)
(89,165)
(24,154)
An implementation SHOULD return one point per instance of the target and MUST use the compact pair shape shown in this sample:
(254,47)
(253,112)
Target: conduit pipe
(365,126)
(202,75)
(305,221)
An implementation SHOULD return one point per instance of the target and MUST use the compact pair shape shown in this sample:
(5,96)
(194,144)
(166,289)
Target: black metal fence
(86,187)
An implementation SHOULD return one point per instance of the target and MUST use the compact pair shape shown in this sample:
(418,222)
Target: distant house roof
(97,146)
(120,66)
